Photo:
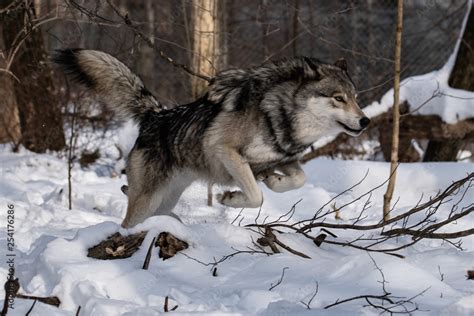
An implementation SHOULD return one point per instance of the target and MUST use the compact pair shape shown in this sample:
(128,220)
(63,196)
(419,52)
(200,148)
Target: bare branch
(308,304)
(140,34)
(279,281)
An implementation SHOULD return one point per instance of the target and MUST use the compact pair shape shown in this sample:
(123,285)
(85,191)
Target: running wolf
(250,124)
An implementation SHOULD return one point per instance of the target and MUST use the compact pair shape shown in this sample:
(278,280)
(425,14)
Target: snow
(430,94)
(426,94)
(52,242)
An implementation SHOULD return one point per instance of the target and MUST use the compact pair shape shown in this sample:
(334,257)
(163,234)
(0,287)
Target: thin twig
(31,308)
(308,304)
(148,255)
(135,29)
(272,286)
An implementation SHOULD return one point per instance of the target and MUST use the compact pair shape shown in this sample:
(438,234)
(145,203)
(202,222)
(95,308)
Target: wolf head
(304,95)
(328,100)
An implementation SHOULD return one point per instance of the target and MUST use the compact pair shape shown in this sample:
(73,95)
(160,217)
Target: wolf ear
(311,69)
(341,63)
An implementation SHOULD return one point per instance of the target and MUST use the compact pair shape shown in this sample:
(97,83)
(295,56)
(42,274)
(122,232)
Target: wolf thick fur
(251,123)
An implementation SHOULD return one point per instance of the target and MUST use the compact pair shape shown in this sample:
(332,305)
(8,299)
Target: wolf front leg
(293,178)
(250,196)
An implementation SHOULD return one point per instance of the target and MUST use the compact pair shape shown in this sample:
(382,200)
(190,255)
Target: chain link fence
(361,31)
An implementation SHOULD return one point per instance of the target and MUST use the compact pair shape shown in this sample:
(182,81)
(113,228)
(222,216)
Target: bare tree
(396,114)
(38,104)
(10,121)
(208,47)
(294,44)
(463,72)
(208,40)
(146,57)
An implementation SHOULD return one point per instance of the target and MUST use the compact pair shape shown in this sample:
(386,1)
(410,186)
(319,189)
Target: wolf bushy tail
(121,90)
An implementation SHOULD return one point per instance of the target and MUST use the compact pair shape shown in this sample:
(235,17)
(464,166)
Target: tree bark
(463,71)
(264,28)
(406,151)
(387,198)
(461,78)
(442,150)
(209,47)
(38,103)
(146,59)
(9,119)
(208,40)
(294,44)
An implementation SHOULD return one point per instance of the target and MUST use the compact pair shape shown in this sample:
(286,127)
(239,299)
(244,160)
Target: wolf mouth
(347,128)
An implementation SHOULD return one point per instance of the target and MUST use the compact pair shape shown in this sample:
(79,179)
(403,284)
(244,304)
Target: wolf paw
(276,183)
(238,199)
(227,198)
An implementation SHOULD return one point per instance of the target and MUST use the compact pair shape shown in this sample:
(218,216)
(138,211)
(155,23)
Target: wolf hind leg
(250,196)
(293,178)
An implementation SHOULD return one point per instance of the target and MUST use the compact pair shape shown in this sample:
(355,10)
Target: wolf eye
(339,99)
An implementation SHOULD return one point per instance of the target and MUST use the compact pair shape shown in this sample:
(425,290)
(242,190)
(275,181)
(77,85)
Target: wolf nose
(364,122)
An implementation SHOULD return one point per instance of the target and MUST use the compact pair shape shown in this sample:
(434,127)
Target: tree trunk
(461,78)
(311,26)
(294,44)
(406,151)
(9,119)
(264,28)
(209,47)
(146,59)
(387,198)
(38,103)
(463,71)
(442,150)
(208,40)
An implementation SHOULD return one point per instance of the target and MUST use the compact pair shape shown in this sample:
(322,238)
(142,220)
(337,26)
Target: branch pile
(375,237)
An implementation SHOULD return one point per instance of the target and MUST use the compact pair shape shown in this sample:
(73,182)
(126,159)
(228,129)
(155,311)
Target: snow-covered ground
(52,242)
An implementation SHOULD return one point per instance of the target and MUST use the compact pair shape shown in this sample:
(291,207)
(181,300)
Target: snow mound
(52,243)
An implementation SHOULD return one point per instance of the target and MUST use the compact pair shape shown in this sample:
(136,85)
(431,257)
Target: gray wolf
(250,124)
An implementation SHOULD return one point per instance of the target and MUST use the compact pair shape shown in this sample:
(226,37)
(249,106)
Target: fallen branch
(169,245)
(165,307)
(470,274)
(51,300)
(148,255)
(384,297)
(424,234)
(117,246)
(11,288)
(374,237)
(269,239)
